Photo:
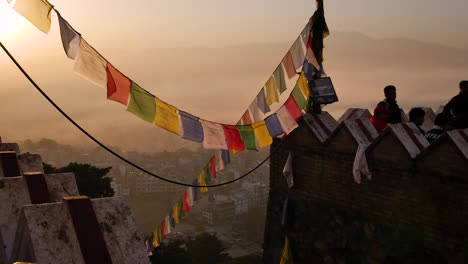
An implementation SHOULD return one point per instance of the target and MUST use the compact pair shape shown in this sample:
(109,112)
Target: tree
(207,248)
(91,181)
(173,252)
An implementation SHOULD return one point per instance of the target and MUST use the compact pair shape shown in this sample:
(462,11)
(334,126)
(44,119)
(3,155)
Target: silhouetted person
(391,105)
(416,115)
(380,117)
(441,124)
(457,108)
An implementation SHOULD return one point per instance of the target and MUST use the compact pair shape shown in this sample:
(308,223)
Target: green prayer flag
(207,173)
(279,78)
(299,97)
(248,136)
(142,103)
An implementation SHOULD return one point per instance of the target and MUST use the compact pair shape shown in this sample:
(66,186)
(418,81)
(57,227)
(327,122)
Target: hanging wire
(102,145)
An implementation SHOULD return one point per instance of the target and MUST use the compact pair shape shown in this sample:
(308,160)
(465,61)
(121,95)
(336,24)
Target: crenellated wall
(412,210)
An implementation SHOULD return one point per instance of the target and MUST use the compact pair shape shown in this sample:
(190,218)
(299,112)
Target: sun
(11,23)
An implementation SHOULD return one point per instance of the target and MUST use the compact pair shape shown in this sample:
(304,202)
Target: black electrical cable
(117,155)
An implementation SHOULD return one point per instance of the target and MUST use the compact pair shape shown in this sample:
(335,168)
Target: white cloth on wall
(287,171)
(360,166)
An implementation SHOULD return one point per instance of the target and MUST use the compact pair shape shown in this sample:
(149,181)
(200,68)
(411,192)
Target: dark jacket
(457,109)
(434,134)
(394,109)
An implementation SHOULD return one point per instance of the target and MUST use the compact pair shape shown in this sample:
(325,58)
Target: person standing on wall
(391,105)
(457,107)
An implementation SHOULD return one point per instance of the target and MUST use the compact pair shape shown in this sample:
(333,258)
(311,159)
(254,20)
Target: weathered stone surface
(30,163)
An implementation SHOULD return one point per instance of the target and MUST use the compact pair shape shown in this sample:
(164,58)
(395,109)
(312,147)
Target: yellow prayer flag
(202,182)
(175,213)
(286,257)
(272,93)
(262,134)
(155,239)
(303,84)
(38,12)
(167,117)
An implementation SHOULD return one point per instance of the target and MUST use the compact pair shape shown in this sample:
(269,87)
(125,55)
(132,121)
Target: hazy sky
(219,84)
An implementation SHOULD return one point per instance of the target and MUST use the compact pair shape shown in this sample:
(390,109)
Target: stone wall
(413,209)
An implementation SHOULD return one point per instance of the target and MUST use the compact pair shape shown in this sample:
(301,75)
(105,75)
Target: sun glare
(11,23)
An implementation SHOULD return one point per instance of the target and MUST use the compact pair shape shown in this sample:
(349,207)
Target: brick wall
(411,211)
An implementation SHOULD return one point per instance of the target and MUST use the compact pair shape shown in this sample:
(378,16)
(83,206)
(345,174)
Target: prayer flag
(287,121)
(163,230)
(171,219)
(155,239)
(299,98)
(298,53)
(213,165)
(233,138)
(180,207)
(38,12)
(90,64)
(310,56)
(191,127)
(186,206)
(175,213)
(274,125)
(293,108)
(272,94)
(303,84)
(254,111)
(284,217)
(261,133)
(248,137)
(220,164)
(305,33)
(261,103)
(167,224)
(207,173)
(289,65)
(246,119)
(70,37)
(286,257)
(225,156)
(142,103)
(213,134)
(279,78)
(190,196)
(118,85)
(202,182)
(167,117)
(309,70)
(287,171)
(196,190)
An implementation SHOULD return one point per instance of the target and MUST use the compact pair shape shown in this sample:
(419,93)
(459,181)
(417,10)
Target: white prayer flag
(213,135)
(91,65)
(288,172)
(70,38)
(286,120)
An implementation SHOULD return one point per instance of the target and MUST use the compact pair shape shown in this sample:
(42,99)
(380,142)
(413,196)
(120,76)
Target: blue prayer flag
(261,102)
(196,191)
(274,126)
(192,129)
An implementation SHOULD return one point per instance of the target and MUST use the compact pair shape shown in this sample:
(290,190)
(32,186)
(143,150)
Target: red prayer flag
(163,230)
(233,138)
(213,166)
(118,85)
(293,108)
(289,65)
(246,119)
(185,206)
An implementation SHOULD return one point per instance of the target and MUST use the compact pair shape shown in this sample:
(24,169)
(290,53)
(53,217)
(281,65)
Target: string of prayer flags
(167,117)
(279,78)
(233,138)
(248,137)
(90,64)
(299,98)
(261,103)
(38,12)
(191,127)
(70,37)
(287,122)
(262,134)
(202,182)
(272,94)
(142,103)
(289,65)
(214,137)
(274,126)
(293,108)
(298,53)
(118,85)
(287,171)
(213,166)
